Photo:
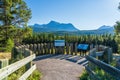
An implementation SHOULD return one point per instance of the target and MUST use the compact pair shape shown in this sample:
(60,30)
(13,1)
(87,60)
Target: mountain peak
(53,23)
(54,26)
(104,27)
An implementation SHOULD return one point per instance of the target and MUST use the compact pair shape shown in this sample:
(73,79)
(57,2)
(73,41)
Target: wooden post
(34,48)
(110,55)
(28,53)
(52,48)
(107,55)
(96,46)
(118,64)
(3,63)
(75,48)
(48,45)
(47,48)
(71,48)
(62,49)
(91,46)
(67,48)
(93,54)
(39,49)
(31,47)
(27,46)
(56,50)
(42,49)
(23,48)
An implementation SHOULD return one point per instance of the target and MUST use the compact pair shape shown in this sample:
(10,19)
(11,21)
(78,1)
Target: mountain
(104,27)
(54,26)
(68,28)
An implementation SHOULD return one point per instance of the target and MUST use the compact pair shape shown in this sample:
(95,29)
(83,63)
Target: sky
(83,14)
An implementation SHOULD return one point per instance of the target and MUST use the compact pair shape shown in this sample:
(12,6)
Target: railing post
(52,48)
(75,48)
(67,48)
(48,46)
(34,48)
(71,48)
(42,48)
(26,54)
(39,49)
(3,63)
(93,54)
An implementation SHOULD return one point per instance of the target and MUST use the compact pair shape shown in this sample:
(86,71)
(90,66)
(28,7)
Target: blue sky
(83,14)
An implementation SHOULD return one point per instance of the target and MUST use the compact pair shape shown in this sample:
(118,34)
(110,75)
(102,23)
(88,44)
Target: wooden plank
(106,67)
(27,73)
(4,72)
(100,53)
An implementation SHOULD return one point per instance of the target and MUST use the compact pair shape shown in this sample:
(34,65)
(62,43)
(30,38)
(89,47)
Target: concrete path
(60,67)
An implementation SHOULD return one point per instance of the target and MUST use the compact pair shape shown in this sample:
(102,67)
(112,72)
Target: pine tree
(117,32)
(13,13)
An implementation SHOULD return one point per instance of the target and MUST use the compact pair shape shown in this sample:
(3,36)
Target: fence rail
(6,71)
(106,67)
(93,63)
(27,73)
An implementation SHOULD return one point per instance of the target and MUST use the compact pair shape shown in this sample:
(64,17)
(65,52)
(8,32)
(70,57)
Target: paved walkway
(60,67)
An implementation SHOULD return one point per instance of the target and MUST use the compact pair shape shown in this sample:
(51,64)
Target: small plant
(36,75)
(84,76)
(9,45)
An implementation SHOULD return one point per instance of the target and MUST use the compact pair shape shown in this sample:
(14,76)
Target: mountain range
(62,28)
(53,26)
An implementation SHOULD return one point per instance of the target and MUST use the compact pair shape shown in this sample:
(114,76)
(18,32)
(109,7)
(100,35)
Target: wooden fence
(101,64)
(49,48)
(27,61)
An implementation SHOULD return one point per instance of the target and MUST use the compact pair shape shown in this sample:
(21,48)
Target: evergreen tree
(117,32)
(14,13)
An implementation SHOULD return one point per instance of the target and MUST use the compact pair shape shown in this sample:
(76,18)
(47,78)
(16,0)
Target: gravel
(59,69)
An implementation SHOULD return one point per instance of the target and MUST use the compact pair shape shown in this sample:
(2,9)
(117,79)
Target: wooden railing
(27,61)
(49,48)
(94,62)
(106,67)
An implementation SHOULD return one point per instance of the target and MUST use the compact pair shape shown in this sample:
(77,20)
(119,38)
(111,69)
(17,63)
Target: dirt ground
(5,55)
(59,68)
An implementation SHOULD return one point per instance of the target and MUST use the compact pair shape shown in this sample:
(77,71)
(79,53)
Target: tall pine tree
(14,13)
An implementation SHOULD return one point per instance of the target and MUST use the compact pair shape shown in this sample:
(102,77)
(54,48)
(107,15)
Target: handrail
(106,67)
(4,72)
(27,73)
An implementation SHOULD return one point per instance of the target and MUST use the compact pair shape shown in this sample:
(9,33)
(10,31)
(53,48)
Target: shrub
(36,75)
(84,76)
(9,45)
